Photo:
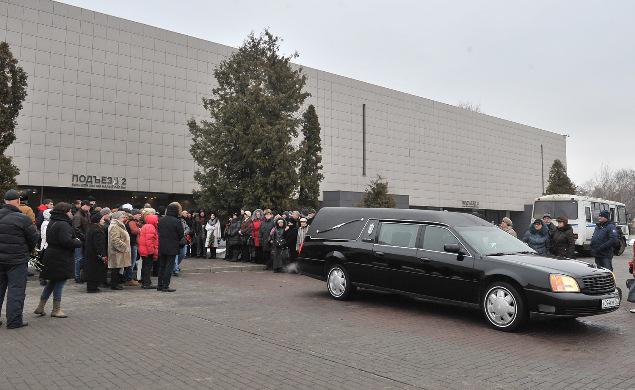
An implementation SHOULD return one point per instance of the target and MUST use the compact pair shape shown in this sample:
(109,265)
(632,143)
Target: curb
(228,268)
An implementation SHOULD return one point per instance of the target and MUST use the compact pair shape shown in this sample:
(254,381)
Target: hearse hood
(551,265)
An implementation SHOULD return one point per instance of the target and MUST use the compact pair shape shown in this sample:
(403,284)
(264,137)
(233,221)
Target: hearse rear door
(396,243)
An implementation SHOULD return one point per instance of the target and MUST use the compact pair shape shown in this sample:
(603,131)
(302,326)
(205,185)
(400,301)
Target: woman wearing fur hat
(506,224)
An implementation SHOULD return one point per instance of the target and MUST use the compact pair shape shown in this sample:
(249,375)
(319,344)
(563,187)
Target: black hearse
(451,258)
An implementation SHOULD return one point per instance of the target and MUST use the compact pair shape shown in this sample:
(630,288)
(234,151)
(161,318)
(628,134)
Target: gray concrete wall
(109,97)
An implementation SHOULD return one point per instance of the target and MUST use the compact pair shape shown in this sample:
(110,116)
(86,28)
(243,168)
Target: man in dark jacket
(265,231)
(18,238)
(81,220)
(563,240)
(604,241)
(171,237)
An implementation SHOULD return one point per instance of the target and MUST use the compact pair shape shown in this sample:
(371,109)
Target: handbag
(630,283)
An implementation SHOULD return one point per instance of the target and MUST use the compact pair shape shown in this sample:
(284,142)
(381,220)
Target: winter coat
(510,230)
(47,218)
(537,240)
(119,254)
(279,253)
(59,258)
(81,220)
(255,232)
(213,233)
(133,231)
(95,252)
(171,232)
(563,242)
(18,236)
(149,237)
(292,237)
(245,230)
(26,210)
(265,231)
(233,233)
(604,240)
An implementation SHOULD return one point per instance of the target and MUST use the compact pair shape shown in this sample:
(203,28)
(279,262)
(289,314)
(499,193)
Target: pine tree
(12,94)
(559,182)
(376,195)
(310,160)
(244,152)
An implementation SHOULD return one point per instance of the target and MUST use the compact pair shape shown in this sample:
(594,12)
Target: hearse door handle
(379,254)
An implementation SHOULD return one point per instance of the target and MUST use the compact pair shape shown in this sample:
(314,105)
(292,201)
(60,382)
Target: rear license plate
(610,303)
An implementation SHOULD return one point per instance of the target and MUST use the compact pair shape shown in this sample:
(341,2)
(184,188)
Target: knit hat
(605,214)
(562,219)
(538,222)
(95,218)
(11,195)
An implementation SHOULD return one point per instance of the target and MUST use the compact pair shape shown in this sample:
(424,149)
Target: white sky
(567,66)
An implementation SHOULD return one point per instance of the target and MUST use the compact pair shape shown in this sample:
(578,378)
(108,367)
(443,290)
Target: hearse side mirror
(452,248)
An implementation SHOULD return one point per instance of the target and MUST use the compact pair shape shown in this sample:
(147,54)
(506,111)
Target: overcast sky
(564,66)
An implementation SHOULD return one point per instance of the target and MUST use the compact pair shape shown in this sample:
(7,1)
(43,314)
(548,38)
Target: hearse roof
(328,217)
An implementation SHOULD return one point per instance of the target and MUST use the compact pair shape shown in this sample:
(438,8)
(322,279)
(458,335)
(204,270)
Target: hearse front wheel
(504,307)
(339,283)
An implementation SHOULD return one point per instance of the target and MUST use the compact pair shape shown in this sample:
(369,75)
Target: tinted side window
(435,238)
(587,211)
(398,234)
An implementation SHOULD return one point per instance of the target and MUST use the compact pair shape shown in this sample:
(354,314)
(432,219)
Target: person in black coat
(96,253)
(233,238)
(18,238)
(59,259)
(563,240)
(171,239)
(279,239)
(265,231)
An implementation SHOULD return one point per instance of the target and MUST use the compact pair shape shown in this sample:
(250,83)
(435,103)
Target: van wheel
(339,283)
(504,307)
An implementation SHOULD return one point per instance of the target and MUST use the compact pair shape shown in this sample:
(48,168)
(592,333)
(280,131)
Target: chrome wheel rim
(337,282)
(500,306)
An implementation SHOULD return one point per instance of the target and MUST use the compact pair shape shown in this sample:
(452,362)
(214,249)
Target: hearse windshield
(492,241)
(556,208)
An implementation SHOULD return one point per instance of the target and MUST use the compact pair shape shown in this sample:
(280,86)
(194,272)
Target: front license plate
(610,303)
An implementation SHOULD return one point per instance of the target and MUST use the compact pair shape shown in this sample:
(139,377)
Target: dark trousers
(201,251)
(92,286)
(115,278)
(146,271)
(604,262)
(267,259)
(235,251)
(13,284)
(258,259)
(166,267)
(245,253)
(212,252)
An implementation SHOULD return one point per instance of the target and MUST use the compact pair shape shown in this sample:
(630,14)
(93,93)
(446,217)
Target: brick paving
(258,330)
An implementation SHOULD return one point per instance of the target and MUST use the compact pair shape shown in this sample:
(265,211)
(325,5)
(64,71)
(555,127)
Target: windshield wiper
(338,226)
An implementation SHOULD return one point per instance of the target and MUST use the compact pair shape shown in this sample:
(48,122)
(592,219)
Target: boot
(40,308)
(57,311)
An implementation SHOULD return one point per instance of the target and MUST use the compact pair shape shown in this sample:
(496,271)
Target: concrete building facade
(108,100)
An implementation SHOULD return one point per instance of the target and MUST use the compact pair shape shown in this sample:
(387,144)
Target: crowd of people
(558,240)
(126,246)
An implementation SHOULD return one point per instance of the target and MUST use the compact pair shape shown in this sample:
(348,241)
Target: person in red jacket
(256,222)
(148,242)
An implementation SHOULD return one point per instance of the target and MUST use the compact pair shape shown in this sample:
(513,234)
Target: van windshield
(490,240)
(556,208)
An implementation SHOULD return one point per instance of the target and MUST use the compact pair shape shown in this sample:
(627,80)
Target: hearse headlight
(563,283)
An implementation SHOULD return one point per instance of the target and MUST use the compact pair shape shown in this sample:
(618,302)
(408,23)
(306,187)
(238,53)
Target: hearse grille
(598,284)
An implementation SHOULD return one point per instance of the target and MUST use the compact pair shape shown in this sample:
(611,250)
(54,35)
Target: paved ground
(258,330)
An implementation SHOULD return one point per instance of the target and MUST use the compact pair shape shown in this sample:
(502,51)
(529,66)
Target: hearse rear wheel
(339,283)
(504,307)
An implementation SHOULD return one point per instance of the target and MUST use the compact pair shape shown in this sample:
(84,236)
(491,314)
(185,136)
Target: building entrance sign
(470,204)
(105,182)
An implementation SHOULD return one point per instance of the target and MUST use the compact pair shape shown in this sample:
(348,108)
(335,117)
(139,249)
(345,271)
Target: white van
(583,212)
